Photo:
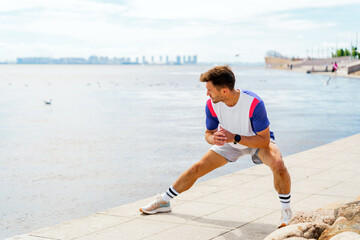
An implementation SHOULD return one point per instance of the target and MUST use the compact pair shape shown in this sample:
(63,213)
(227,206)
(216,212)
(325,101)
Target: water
(116,134)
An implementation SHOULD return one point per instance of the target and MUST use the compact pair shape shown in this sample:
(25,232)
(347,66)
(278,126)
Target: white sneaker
(286,215)
(159,205)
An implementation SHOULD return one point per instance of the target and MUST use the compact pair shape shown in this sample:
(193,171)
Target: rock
(344,221)
(349,211)
(348,220)
(319,216)
(305,230)
(340,219)
(346,236)
(299,238)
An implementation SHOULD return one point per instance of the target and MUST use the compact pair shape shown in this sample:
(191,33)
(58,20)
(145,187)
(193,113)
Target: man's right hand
(219,138)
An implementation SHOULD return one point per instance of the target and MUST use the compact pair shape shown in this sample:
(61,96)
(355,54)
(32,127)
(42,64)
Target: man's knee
(278,166)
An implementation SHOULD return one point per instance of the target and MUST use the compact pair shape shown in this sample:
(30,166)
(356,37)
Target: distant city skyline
(230,31)
(177,60)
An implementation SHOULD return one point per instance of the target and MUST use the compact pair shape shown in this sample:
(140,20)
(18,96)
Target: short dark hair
(220,76)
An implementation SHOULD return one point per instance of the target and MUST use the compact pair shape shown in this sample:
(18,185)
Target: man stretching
(237,124)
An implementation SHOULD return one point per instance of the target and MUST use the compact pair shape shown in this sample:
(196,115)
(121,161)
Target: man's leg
(271,156)
(210,161)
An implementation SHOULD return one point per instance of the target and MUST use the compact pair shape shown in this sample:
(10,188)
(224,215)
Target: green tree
(345,52)
(354,52)
(339,52)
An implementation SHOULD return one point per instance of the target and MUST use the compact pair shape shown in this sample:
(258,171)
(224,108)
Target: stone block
(79,227)
(134,229)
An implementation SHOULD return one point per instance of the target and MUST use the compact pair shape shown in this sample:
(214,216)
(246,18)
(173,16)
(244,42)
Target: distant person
(236,125)
(291,66)
(335,66)
(326,67)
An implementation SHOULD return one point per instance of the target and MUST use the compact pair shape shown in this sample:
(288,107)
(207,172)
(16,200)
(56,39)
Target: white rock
(305,230)
(346,236)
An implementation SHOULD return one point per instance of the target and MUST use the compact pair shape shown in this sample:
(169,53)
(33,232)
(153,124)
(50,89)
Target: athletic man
(237,124)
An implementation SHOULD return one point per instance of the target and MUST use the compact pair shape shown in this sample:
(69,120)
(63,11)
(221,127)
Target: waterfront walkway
(242,205)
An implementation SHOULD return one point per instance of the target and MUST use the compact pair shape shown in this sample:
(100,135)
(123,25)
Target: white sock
(285,200)
(169,194)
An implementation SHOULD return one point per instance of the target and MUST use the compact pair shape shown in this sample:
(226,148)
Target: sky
(215,31)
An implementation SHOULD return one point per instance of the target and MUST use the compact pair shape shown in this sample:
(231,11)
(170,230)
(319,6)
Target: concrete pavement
(242,205)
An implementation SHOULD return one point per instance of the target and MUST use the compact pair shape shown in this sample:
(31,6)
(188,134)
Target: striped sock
(169,194)
(285,200)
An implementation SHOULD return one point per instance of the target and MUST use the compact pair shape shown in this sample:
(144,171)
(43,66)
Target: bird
(327,81)
(47,102)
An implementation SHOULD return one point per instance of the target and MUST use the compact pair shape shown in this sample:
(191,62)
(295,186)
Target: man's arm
(261,140)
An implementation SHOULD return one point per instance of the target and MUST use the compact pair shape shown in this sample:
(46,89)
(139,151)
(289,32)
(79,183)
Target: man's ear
(224,90)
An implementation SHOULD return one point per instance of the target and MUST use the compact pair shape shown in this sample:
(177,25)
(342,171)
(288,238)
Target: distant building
(178,60)
(195,59)
(33,60)
(71,61)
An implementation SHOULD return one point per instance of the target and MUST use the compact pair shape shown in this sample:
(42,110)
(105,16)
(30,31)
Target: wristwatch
(237,138)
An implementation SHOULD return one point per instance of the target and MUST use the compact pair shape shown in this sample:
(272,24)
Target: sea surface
(116,134)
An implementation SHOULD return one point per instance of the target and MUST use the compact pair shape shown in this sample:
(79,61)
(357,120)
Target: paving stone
(312,186)
(258,170)
(132,210)
(270,200)
(334,173)
(26,237)
(185,212)
(253,231)
(79,227)
(134,229)
(230,180)
(231,217)
(231,196)
(317,201)
(262,183)
(200,190)
(303,172)
(346,189)
(186,232)
(351,165)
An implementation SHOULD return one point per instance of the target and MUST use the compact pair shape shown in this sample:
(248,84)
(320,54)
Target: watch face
(237,138)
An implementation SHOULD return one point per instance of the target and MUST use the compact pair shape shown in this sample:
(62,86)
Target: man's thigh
(271,155)
(210,161)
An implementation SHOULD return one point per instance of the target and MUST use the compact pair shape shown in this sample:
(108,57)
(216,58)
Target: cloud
(211,29)
(64,5)
(216,11)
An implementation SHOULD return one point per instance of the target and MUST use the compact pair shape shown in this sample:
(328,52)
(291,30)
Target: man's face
(215,94)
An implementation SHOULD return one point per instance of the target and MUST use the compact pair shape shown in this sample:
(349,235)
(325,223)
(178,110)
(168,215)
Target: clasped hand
(223,136)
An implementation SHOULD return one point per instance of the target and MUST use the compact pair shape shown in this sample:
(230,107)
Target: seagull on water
(48,102)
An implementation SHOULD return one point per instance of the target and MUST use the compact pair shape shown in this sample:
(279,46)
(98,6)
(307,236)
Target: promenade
(242,205)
